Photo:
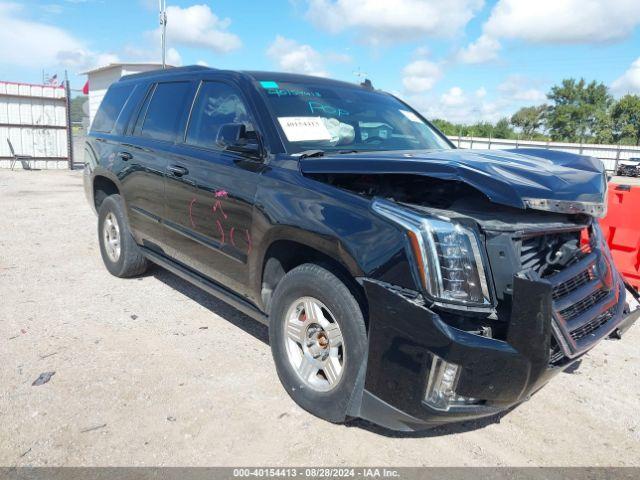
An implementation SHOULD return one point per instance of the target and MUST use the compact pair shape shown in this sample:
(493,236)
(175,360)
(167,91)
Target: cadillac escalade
(403,280)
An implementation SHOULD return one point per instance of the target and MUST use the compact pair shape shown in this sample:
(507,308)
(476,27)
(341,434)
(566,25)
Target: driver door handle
(177,170)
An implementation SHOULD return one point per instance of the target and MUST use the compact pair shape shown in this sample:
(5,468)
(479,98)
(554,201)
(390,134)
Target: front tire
(120,253)
(318,340)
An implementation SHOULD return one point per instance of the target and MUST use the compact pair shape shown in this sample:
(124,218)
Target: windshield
(332,117)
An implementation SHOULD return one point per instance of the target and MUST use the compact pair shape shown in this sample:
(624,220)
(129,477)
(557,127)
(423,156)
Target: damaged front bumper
(406,337)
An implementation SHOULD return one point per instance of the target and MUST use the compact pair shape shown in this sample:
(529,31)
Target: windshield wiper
(310,153)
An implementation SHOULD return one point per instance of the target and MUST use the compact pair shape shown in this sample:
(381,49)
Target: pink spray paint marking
(216,206)
(221,194)
(193,224)
(221,230)
(231,239)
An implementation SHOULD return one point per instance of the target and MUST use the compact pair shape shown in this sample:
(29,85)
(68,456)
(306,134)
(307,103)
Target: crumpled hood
(504,176)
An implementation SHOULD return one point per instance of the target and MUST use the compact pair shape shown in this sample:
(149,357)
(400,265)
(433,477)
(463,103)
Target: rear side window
(111,107)
(165,111)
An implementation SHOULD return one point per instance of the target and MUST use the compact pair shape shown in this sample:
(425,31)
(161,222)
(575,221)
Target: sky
(461,60)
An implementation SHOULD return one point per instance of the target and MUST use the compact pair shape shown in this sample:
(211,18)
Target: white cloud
(292,56)
(564,21)
(453,97)
(629,82)
(31,44)
(484,49)
(420,76)
(173,57)
(381,22)
(518,88)
(82,59)
(458,106)
(198,26)
(553,22)
(151,55)
(202,63)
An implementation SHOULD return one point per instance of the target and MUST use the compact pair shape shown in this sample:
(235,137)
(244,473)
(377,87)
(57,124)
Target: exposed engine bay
(517,240)
(450,198)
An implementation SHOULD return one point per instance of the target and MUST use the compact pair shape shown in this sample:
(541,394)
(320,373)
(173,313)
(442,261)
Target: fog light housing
(441,386)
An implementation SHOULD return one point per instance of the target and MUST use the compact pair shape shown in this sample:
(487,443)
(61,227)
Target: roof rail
(167,71)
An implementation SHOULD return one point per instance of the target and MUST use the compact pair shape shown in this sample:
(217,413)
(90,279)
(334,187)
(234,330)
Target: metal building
(100,78)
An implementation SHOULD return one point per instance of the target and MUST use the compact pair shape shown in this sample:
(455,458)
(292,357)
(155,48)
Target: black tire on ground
(130,262)
(311,280)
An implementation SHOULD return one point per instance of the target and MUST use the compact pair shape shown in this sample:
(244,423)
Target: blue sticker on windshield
(268,84)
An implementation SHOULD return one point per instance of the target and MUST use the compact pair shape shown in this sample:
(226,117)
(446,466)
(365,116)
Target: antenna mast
(162,5)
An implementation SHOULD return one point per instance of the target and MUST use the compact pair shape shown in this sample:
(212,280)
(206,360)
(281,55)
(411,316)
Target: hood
(506,177)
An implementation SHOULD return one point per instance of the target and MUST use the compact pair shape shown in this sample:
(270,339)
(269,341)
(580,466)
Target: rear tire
(318,355)
(120,253)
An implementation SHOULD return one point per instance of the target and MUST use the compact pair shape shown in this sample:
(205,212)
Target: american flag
(53,80)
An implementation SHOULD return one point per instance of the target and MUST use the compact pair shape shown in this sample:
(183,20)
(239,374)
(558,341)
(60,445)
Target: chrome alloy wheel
(315,348)
(111,237)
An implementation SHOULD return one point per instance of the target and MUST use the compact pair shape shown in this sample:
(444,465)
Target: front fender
(335,222)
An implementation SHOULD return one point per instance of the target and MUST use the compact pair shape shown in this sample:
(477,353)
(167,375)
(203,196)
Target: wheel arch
(283,254)
(103,186)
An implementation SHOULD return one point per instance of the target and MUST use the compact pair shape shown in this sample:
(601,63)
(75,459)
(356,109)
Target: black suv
(403,281)
(630,168)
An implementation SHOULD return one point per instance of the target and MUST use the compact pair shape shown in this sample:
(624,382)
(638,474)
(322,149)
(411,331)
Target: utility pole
(162,5)
(67,94)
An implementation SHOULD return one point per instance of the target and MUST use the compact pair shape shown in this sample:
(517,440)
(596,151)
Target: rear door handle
(125,156)
(177,170)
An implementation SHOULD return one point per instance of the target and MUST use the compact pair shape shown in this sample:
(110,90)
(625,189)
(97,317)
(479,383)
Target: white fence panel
(34,119)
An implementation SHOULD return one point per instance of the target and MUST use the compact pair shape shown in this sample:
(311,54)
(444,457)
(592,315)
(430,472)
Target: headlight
(447,255)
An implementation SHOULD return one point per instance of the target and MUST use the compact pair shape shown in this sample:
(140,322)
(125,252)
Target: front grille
(573,284)
(594,324)
(582,303)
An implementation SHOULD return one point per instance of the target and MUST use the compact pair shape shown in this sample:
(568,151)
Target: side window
(217,104)
(111,107)
(165,111)
(137,126)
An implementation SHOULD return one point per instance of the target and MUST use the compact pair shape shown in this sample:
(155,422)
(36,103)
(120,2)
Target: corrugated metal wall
(34,119)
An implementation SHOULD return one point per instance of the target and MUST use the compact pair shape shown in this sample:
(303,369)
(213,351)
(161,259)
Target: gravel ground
(152,371)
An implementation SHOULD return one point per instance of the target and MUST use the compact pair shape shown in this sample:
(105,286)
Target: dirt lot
(152,371)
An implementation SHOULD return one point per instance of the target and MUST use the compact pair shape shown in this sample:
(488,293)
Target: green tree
(529,119)
(502,129)
(481,129)
(446,127)
(577,108)
(625,116)
(603,129)
(76,108)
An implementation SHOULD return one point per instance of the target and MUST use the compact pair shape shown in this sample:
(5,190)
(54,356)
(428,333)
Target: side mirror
(233,137)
